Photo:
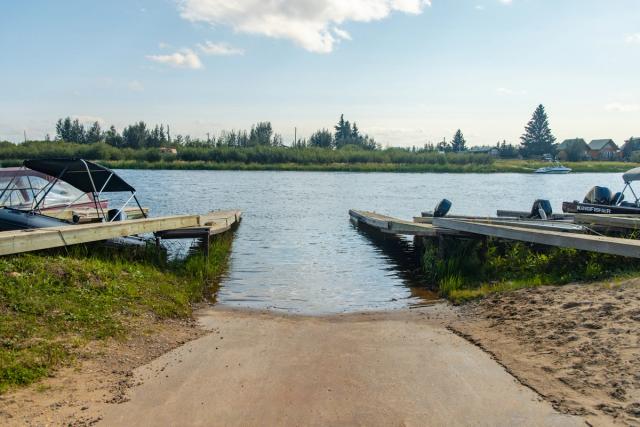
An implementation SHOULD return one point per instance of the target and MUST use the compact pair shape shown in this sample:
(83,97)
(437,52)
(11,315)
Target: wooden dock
(12,242)
(390,225)
(567,233)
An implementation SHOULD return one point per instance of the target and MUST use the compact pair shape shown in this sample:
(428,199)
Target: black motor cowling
(116,215)
(541,209)
(617,199)
(442,208)
(598,196)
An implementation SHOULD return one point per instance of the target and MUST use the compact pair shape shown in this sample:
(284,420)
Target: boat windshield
(25,191)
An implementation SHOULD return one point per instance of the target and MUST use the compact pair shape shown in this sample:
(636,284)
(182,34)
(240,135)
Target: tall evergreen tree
(458,143)
(537,138)
(340,127)
(355,132)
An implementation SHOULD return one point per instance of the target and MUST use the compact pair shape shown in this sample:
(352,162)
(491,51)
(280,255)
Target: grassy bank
(497,166)
(347,159)
(474,268)
(52,304)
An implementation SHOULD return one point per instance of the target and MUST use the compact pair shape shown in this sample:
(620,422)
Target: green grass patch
(52,303)
(475,268)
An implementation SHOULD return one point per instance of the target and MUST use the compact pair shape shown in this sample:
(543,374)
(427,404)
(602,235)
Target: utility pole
(25,135)
(168,134)
(295,136)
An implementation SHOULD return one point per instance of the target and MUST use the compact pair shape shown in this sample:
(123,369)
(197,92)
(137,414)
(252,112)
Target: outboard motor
(541,209)
(442,208)
(116,215)
(598,196)
(617,199)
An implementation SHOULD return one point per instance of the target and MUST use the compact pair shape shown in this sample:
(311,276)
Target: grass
(498,166)
(473,269)
(51,304)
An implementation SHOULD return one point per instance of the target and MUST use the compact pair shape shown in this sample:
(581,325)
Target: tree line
(536,140)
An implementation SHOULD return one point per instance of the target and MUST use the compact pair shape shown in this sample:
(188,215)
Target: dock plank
(601,244)
(626,222)
(12,242)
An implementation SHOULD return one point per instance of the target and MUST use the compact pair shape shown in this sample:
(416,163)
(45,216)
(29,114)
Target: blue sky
(407,71)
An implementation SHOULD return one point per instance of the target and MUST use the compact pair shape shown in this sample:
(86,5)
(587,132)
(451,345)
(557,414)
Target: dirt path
(402,368)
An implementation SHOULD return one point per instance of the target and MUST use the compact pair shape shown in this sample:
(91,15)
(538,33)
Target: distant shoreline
(497,166)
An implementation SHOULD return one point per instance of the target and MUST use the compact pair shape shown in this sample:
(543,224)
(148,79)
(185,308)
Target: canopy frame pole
(46,193)
(96,198)
(105,184)
(633,192)
(139,206)
(123,206)
(13,178)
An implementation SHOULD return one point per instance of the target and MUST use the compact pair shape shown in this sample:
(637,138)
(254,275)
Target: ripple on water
(296,249)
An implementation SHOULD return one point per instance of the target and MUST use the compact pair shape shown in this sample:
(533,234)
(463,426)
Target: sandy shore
(577,345)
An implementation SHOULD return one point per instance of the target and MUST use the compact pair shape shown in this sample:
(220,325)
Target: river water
(296,249)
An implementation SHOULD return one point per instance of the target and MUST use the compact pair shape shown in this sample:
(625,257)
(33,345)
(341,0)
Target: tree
(77,132)
(458,143)
(261,134)
(63,129)
(112,137)
(135,136)
(321,139)
(94,134)
(355,132)
(443,145)
(537,138)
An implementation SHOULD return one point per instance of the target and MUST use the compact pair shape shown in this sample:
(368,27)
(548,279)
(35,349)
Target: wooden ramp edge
(601,244)
(391,225)
(12,242)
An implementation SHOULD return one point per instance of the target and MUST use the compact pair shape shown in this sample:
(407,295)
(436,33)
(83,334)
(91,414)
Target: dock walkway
(12,242)
(559,233)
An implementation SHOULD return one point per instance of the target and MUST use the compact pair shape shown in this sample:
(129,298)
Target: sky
(407,71)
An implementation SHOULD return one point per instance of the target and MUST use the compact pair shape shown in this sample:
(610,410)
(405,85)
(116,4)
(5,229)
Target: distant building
(573,149)
(603,149)
(492,151)
(168,150)
(630,145)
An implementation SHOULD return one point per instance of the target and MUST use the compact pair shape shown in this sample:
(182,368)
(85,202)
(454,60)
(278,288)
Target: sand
(576,345)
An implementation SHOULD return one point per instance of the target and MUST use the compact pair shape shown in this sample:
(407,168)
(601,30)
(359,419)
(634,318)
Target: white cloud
(312,24)
(507,91)
(479,7)
(135,86)
(622,108)
(185,58)
(163,45)
(506,1)
(220,49)
(633,38)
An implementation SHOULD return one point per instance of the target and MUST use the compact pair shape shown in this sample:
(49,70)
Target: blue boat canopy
(84,175)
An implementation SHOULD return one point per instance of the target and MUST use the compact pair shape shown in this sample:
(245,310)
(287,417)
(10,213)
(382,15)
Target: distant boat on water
(557,168)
